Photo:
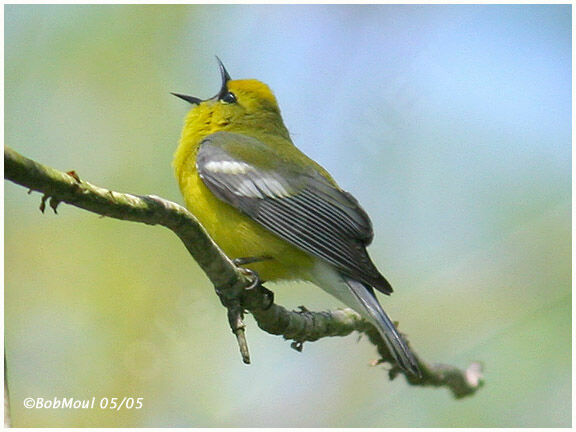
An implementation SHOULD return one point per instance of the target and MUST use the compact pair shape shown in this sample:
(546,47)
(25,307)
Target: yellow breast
(236,234)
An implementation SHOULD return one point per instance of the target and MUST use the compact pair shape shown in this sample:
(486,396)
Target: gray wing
(293,201)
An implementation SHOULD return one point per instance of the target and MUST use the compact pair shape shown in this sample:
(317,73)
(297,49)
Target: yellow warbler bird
(266,203)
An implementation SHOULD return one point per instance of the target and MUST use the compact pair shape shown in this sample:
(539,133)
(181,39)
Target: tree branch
(229,281)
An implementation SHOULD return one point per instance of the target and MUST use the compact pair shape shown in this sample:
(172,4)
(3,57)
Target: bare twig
(299,326)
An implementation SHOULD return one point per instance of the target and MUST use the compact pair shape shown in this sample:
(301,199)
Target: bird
(268,205)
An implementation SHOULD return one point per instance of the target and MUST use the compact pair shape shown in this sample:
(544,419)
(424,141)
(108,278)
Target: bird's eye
(228,98)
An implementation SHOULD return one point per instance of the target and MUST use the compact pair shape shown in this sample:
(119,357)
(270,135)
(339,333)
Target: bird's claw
(252,275)
(256,281)
(240,262)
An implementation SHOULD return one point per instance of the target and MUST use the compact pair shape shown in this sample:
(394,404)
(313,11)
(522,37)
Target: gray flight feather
(292,200)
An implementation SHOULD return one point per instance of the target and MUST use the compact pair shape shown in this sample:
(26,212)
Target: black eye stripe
(228,97)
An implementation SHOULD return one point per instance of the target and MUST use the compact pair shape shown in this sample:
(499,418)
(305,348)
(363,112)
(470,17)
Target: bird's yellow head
(243,106)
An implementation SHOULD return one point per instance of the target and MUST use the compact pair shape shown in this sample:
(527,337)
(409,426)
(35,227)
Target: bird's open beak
(225,78)
(193,100)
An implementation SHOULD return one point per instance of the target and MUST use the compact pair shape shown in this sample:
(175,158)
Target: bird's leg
(239,262)
(249,260)
(257,282)
(252,275)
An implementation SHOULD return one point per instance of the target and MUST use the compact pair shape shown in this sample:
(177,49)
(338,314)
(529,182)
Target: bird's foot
(253,275)
(240,262)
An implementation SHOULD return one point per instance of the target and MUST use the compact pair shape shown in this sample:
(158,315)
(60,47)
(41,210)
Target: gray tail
(398,348)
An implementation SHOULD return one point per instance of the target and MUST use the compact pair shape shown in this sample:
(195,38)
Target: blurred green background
(450,124)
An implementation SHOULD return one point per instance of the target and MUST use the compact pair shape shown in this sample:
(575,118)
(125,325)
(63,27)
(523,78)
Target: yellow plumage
(236,234)
(258,196)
